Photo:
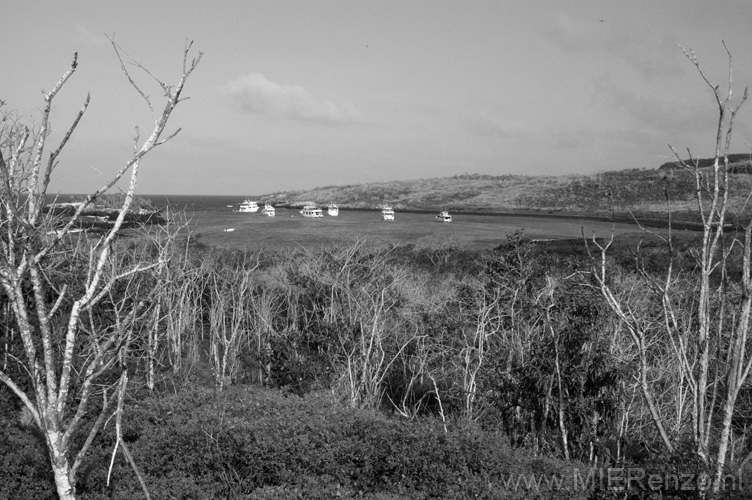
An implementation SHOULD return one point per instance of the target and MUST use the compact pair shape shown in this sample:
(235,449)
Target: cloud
(656,58)
(257,94)
(652,54)
(567,139)
(630,126)
(485,125)
(654,113)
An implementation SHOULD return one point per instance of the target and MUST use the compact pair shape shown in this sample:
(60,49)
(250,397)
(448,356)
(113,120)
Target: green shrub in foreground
(24,466)
(257,444)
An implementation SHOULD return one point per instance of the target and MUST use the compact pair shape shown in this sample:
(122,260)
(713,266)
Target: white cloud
(257,94)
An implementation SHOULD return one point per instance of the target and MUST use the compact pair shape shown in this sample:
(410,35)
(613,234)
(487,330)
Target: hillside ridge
(622,193)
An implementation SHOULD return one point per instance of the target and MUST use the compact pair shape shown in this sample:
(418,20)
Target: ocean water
(194,203)
(211,219)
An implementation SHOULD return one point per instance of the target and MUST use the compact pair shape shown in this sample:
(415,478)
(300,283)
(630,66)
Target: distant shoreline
(678,222)
(619,218)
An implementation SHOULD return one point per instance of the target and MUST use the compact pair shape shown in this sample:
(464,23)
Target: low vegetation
(376,372)
(625,193)
(255,443)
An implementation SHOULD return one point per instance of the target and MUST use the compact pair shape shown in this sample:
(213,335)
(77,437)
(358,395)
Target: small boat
(387,213)
(248,206)
(444,217)
(229,230)
(268,210)
(312,211)
(332,210)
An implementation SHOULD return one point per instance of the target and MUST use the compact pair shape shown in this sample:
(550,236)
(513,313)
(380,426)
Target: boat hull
(444,217)
(312,212)
(268,210)
(248,206)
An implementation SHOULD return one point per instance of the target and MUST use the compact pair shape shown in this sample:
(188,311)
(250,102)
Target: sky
(293,95)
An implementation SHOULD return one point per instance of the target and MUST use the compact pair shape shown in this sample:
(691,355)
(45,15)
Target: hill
(740,161)
(640,192)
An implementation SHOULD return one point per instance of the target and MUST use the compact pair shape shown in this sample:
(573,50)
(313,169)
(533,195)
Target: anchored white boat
(268,210)
(444,217)
(332,210)
(387,213)
(248,206)
(312,211)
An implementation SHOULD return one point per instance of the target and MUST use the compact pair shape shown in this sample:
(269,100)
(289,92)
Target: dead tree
(709,335)
(73,329)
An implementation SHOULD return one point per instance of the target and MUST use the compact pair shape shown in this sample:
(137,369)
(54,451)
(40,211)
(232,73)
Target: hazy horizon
(299,94)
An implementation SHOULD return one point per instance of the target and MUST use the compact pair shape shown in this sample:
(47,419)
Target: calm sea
(193,203)
(213,220)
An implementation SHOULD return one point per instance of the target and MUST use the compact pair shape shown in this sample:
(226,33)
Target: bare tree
(709,335)
(474,352)
(230,321)
(74,328)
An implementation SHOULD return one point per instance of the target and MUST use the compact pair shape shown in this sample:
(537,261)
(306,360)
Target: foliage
(553,332)
(470,342)
(698,322)
(251,443)
(307,316)
(73,303)
(24,467)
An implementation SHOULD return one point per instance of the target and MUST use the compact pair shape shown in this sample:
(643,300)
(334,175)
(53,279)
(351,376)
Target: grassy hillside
(641,192)
(736,161)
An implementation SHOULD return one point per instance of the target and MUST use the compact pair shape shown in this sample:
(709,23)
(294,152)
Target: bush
(24,467)
(259,444)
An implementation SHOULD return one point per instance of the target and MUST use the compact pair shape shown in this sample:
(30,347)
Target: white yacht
(444,217)
(268,210)
(312,211)
(248,206)
(387,213)
(332,210)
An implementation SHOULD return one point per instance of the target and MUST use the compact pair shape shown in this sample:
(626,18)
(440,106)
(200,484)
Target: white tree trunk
(52,384)
(60,467)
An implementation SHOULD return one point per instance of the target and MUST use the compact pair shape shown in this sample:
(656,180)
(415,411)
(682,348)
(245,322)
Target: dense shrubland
(389,371)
